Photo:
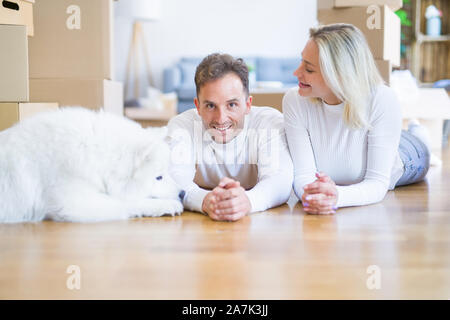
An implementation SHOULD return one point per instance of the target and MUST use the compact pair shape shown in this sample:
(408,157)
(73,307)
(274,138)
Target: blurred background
(138,57)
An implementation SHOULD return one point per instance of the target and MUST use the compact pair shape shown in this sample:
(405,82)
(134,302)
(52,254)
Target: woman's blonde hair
(348,68)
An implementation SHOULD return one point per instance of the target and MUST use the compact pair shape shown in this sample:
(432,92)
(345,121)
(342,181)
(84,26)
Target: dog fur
(78,165)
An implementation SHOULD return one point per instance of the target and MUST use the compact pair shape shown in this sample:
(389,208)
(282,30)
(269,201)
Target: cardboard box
(13,64)
(325,4)
(431,106)
(73,39)
(385,69)
(426,103)
(381,28)
(11,113)
(89,93)
(18,12)
(394,5)
(268,97)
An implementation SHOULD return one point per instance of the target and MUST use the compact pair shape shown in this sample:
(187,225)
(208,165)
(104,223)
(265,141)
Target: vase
(434,26)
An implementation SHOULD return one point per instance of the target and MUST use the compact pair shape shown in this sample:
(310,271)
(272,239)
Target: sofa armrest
(172,79)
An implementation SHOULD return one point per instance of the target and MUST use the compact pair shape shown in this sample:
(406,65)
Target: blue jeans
(415,157)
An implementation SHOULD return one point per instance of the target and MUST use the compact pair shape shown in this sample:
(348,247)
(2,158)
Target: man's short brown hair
(217,65)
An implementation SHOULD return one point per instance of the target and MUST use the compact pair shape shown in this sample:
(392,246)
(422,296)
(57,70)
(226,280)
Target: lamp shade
(142,10)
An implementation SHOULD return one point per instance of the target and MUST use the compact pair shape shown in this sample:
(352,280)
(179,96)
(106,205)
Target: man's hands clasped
(227,202)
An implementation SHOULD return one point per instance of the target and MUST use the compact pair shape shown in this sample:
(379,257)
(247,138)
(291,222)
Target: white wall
(200,27)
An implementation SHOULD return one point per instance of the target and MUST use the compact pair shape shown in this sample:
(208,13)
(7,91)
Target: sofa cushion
(277,69)
(186,93)
(187,73)
(171,79)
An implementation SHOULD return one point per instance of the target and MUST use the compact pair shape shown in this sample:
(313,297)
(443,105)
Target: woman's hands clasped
(320,196)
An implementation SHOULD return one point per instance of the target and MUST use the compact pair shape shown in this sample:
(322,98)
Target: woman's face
(310,80)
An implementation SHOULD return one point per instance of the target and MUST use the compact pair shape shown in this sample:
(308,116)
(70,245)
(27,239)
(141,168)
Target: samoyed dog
(78,165)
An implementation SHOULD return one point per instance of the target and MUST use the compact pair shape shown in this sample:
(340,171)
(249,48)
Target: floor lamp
(141,11)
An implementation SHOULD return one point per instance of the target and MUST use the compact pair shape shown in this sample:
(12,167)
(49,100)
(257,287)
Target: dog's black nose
(181,194)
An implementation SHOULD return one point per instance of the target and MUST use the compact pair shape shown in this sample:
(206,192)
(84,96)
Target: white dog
(77,165)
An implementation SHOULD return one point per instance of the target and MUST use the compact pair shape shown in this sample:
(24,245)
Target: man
(230,159)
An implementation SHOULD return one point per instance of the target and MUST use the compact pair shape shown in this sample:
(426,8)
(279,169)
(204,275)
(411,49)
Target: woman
(343,126)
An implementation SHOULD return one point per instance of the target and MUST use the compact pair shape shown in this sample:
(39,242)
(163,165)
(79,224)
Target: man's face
(222,104)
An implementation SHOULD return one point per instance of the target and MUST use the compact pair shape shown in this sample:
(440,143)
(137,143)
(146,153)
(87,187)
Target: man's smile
(222,128)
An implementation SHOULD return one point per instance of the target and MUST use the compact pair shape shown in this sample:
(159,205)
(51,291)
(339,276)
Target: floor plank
(278,254)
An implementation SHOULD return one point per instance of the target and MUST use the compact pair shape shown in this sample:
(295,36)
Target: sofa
(179,78)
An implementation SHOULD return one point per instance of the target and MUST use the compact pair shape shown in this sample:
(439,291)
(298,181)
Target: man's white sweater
(257,157)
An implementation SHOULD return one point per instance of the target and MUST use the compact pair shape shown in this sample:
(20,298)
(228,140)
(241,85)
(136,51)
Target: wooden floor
(279,254)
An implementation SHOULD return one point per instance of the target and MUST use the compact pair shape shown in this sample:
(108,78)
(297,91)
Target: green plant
(406,22)
(403,15)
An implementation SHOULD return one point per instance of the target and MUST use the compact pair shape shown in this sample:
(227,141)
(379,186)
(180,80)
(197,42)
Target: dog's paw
(172,207)
(160,207)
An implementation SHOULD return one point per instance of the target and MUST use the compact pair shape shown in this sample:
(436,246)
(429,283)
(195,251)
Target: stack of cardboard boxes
(16,25)
(377,21)
(67,57)
(381,26)
(71,55)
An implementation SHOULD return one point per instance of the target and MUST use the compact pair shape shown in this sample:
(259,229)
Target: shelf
(167,112)
(429,61)
(140,113)
(424,38)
